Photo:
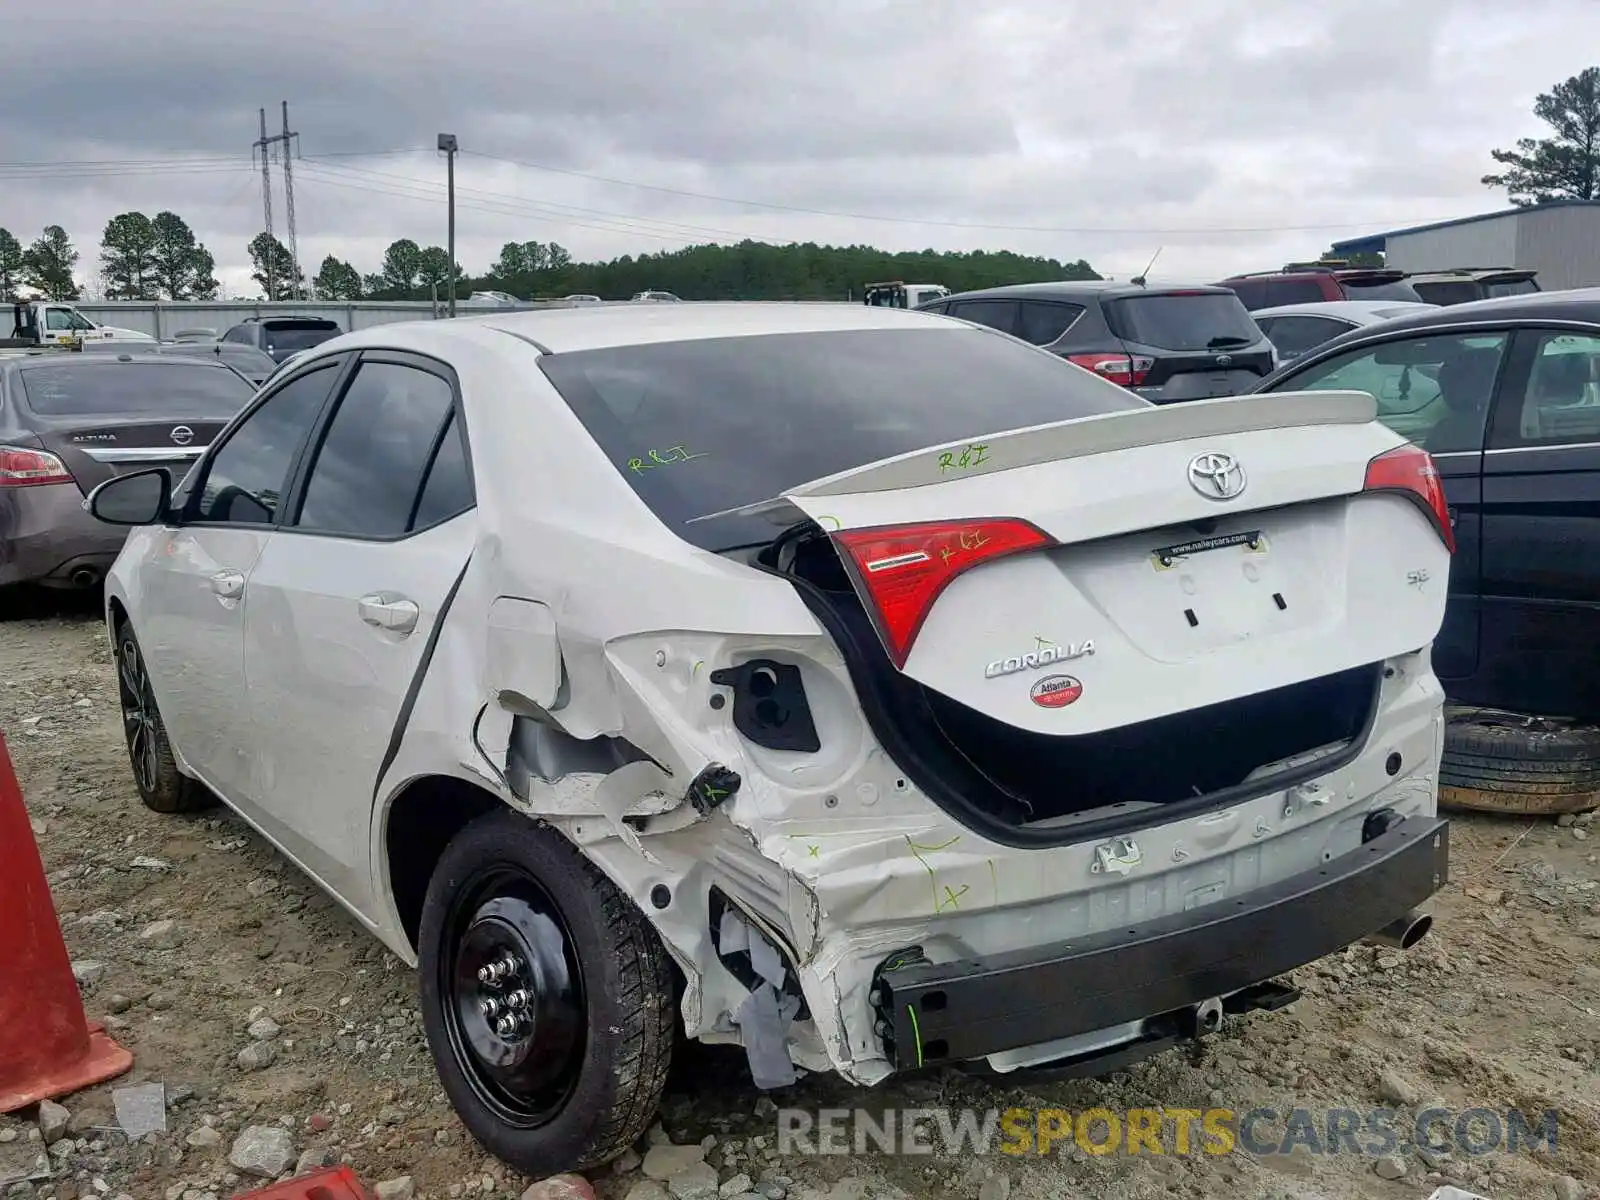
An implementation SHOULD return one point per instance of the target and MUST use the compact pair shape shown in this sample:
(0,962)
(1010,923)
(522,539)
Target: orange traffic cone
(47,1048)
(336,1183)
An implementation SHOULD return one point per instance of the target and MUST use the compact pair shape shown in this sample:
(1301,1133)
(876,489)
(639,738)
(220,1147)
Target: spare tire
(1499,761)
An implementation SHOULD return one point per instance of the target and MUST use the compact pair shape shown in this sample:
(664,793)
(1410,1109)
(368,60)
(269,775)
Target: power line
(525,210)
(540,208)
(853,216)
(91,167)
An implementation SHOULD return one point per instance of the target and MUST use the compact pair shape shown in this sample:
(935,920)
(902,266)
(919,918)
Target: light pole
(447,143)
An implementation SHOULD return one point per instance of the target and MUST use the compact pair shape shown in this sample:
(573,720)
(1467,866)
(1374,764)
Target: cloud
(1232,135)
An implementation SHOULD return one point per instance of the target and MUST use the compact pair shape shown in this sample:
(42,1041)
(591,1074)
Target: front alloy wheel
(162,787)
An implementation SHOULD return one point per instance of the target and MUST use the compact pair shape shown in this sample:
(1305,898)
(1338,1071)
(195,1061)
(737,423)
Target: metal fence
(164,318)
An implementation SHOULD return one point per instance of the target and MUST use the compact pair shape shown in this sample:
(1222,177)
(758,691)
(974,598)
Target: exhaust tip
(85,577)
(1403,932)
(1416,931)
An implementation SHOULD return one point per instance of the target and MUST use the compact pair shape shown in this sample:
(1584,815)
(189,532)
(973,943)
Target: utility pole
(263,144)
(289,141)
(447,143)
(290,145)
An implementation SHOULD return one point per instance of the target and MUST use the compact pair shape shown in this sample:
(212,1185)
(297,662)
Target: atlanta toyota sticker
(1056,691)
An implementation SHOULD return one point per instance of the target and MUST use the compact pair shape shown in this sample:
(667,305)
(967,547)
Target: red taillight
(26,468)
(903,568)
(1129,370)
(1410,469)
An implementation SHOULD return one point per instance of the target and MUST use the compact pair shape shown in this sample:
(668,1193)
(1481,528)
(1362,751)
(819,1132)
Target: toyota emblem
(1216,476)
(182,435)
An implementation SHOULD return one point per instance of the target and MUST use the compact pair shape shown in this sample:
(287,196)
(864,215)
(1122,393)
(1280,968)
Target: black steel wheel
(547,998)
(516,1007)
(162,787)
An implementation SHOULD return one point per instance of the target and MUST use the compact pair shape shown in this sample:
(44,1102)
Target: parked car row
(1324,282)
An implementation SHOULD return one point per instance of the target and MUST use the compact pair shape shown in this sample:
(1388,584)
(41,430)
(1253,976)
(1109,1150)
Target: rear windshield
(1197,321)
(700,427)
(1449,292)
(140,388)
(1394,289)
(298,336)
(1509,287)
(1274,293)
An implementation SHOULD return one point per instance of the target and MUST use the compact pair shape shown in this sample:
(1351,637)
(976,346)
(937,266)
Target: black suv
(1505,395)
(1165,343)
(282,336)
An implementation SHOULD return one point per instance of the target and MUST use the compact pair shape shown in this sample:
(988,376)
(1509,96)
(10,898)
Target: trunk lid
(1154,594)
(98,450)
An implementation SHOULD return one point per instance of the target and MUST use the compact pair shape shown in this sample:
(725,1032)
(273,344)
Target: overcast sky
(1233,134)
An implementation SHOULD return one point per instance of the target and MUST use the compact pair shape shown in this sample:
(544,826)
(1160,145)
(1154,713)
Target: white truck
(51,323)
(901,295)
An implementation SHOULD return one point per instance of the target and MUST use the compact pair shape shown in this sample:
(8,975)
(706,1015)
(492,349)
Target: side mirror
(143,498)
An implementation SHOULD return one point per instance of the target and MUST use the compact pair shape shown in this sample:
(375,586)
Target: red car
(1311,283)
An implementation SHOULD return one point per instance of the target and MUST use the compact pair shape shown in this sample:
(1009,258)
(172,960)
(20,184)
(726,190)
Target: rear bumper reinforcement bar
(932,1013)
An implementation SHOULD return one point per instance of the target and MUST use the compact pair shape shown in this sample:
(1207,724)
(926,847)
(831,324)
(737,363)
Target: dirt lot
(1497,1009)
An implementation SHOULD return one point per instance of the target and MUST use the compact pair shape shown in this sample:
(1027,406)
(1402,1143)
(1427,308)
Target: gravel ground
(281,1030)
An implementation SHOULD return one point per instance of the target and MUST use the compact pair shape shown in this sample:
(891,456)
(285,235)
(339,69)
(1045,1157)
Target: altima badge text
(1034,659)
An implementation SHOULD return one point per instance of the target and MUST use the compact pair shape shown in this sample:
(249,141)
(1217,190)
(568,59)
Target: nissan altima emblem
(1224,360)
(182,435)
(1216,476)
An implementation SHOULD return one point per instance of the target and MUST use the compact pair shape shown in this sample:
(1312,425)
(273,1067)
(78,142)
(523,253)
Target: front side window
(1561,401)
(58,319)
(367,476)
(246,478)
(1434,390)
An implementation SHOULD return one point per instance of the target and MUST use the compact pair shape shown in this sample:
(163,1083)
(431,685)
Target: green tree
(402,264)
(337,280)
(433,270)
(10,264)
(1565,166)
(127,257)
(759,271)
(272,268)
(182,266)
(47,264)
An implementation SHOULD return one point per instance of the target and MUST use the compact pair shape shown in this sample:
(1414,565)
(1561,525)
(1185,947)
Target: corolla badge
(1034,659)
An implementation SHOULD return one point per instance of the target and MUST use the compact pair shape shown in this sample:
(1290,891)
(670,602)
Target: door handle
(227,585)
(385,611)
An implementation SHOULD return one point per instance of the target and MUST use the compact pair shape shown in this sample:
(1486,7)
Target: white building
(1559,240)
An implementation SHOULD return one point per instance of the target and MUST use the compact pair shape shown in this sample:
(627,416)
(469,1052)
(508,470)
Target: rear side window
(704,426)
(1183,321)
(140,388)
(996,314)
(1561,401)
(368,473)
(1042,322)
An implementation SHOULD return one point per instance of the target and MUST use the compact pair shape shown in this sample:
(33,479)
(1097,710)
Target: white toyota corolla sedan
(861,687)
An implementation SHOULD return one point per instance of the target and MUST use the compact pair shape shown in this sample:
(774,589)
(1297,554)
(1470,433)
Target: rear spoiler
(1075,438)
